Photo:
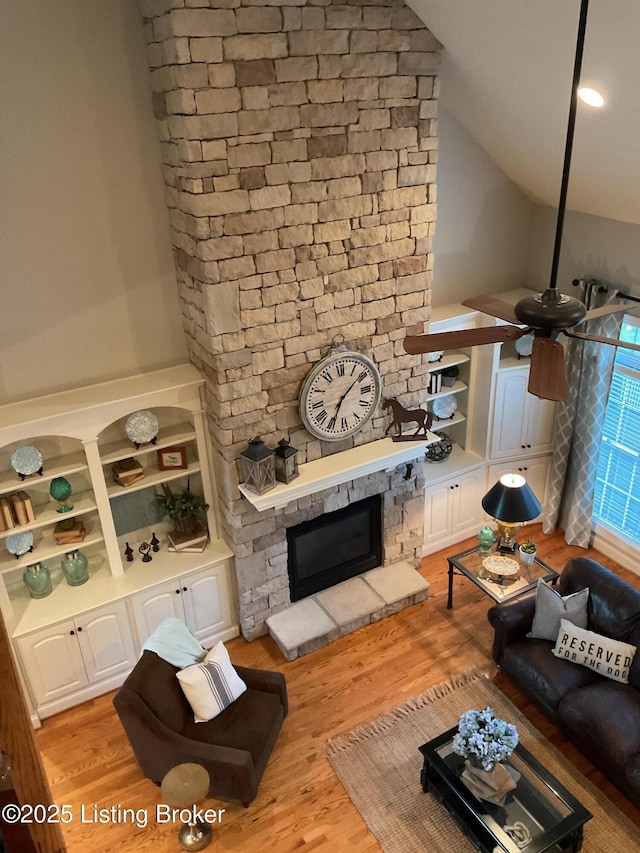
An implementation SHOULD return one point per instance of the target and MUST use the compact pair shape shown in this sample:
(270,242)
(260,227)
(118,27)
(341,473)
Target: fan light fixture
(590,96)
(511,502)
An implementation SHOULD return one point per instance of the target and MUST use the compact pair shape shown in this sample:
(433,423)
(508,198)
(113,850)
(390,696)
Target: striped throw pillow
(211,686)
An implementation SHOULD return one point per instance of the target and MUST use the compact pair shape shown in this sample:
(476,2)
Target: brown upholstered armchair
(234,747)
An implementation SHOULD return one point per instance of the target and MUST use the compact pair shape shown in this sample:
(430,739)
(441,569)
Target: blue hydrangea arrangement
(483,739)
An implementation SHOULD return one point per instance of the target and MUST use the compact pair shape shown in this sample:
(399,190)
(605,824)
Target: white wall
(592,247)
(482,231)
(87,285)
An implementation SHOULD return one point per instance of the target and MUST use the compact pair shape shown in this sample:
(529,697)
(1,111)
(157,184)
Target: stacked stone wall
(299,148)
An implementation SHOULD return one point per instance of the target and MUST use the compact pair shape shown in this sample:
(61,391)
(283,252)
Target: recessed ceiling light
(590,97)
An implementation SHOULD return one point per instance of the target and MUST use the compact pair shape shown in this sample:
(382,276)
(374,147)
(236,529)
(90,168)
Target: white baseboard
(613,545)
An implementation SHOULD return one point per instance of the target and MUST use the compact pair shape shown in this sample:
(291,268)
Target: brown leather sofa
(601,716)
(234,747)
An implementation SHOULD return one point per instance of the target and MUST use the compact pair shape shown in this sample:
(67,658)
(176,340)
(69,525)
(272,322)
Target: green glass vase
(37,579)
(74,566)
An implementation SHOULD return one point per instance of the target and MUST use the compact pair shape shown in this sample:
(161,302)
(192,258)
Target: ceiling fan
(546,315)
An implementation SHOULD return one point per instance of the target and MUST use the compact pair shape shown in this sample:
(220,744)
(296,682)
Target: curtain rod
(603,287)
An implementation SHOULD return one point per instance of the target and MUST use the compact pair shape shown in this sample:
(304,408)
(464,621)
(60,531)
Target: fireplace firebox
(334,547)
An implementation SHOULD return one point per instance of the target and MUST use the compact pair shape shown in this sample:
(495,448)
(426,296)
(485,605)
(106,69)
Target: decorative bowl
(445,407)
(19,543)
(141,427)
(441,450)
(26,460)
(502,567)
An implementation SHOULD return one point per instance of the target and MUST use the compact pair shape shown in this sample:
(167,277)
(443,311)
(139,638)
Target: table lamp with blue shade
(511,502)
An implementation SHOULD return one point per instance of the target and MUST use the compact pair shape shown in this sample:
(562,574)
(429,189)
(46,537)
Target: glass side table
(469,564)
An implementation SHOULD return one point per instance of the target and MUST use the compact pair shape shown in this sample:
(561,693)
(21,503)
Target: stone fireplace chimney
(299,147)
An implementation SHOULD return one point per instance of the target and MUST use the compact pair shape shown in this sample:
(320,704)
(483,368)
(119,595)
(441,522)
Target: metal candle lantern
(286,462)
(257,466)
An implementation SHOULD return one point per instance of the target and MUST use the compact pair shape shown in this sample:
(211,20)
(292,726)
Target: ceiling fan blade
(604,310)
(415,344)
(613,342)
(547,377)
(493,306)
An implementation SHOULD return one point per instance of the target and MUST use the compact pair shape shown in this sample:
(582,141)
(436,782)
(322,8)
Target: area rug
(379,765)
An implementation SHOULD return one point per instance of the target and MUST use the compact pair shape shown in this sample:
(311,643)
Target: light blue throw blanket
(173,642)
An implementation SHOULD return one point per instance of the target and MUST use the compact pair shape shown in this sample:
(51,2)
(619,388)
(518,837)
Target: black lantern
(257,466)
(286,462)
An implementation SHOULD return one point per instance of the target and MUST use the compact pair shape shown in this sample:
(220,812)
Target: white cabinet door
(452,508)
(151,606)
(521,421)
(67,658)
(540,421)
(509,413)
(200,599)
(105,640)
(467,510)
(437,512)
(52,662)
(206,604)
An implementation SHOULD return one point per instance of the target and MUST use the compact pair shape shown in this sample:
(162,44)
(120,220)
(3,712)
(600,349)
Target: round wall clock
(340,394)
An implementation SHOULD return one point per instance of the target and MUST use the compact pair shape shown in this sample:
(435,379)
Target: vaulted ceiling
(506,78)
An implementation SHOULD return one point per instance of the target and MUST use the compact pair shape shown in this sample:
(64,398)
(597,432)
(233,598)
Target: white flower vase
(490,785)
(527,558)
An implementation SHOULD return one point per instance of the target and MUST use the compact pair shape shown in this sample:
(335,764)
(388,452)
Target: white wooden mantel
(382,455)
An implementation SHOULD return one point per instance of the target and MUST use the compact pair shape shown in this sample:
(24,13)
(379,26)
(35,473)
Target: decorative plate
(26,460)
(141,427)
(440,451)
(445,407)
(19,543)
(524,345)
(502,566)
(435,356)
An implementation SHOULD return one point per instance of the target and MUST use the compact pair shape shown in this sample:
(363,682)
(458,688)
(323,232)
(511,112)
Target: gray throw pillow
(551,607)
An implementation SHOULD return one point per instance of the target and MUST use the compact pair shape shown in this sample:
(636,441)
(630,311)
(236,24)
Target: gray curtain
(579,424)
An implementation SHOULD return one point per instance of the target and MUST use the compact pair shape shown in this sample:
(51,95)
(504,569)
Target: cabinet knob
(184,589)
(528,445)
(71,633)
(79,629)
(177,592)
(452,487)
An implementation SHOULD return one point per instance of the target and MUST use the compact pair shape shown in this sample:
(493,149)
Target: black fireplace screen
(334,547)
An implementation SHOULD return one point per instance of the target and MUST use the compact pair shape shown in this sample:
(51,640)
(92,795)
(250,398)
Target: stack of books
(189,543)
(69,531)
(16,510)
(127,471)
(435,383)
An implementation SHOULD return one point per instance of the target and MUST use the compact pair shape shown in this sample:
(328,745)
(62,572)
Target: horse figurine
(401,416)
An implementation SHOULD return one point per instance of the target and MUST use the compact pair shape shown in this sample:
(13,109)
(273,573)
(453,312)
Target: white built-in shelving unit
(80,434)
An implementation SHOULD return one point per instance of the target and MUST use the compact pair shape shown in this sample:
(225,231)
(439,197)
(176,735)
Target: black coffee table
(552,815)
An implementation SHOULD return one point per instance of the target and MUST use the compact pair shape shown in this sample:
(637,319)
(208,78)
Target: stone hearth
(315,621)
(299,147)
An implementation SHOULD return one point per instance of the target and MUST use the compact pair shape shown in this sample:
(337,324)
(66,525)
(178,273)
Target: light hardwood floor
(301,806)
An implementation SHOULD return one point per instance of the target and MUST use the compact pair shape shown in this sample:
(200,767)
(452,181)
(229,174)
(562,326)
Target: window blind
(617,492)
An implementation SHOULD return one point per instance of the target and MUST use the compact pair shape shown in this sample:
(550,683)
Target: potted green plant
(528,551)
(450,374)
(186,510)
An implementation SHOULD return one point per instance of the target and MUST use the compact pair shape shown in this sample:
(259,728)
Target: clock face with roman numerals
(340,395)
